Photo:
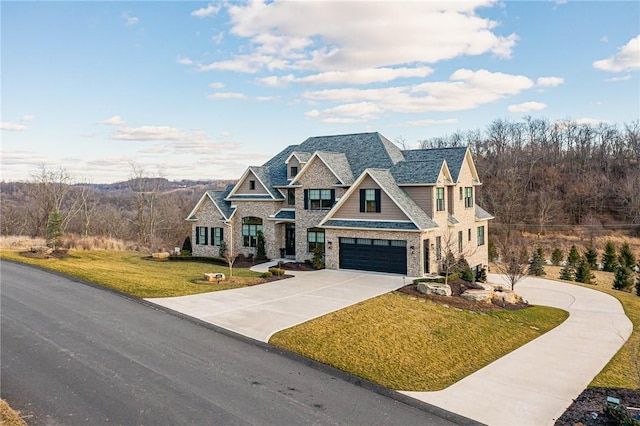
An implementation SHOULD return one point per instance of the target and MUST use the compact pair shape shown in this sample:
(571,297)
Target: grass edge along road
(131,273)
(8,416)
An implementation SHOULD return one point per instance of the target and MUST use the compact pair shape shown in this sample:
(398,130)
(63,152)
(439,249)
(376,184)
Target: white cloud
(217,39)
(623,78)
(549,81)
(604,39)
(28,117)
(227,95)
(430,122)
(360,77)
(217,85)
(12,126)
(129,20)
(148,133)
(115,120)
(206,11)
(342,120)
(267,98)
(527,106)
(626,59)
(343,36)
(184,61)
(589,121)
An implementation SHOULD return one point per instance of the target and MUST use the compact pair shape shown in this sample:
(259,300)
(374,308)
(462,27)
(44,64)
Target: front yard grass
(415,345)
(132,274)
(623,371)
(9,417)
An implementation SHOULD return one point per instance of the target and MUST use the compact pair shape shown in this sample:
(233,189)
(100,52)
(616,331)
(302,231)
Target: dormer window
(252,185)
(294,171)
(440,199)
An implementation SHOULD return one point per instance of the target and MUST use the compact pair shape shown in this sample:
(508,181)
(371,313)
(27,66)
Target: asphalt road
(75,354)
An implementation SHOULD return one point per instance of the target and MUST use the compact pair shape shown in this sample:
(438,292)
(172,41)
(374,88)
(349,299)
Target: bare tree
(514,260)
(453,250)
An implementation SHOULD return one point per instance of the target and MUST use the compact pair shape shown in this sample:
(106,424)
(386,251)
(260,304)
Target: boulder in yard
(478,295)
(214,277)
(434,288)
(160,255)
(507,296)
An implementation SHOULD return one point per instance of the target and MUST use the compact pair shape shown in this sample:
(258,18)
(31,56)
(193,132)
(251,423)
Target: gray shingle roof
(402,199)
(404,226)
(218,197)
(452,220)
(337,161)
(453,156)
(414,172)
(285,214)
(303,157)
(482,214)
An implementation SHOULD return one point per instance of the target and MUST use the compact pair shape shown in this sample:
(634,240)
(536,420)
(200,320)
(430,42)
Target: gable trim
(352,190)
(241,181)
(308,164)
(191,215)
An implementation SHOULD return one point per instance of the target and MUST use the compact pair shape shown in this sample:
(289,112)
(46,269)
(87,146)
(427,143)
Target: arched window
(250,227)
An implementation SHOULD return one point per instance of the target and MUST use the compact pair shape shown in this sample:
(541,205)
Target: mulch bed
(588,408)
(39,254)
(458,287)
(297,266)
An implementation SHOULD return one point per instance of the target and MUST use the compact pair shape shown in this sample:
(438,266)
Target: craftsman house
(359,198)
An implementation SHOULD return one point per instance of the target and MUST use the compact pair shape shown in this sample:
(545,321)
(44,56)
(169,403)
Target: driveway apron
(260,311)
(534,384)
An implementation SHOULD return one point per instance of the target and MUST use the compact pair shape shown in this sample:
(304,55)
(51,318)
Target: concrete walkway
(260,311)
(536,383)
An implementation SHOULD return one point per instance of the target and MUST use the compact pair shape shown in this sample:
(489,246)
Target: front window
(468,197)
(480,235)
(315,239)
(216,236)
(370,200)
(294,171)
(291,197)
(201,235)
(320,199)
(440,199)
(250,228)
(438,248)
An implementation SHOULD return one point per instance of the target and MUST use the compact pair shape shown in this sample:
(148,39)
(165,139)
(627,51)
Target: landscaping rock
(507,296)
(434,288)
(214,277)
(160,255)
(478,295)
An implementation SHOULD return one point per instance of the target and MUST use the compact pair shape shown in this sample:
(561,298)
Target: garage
(368,254)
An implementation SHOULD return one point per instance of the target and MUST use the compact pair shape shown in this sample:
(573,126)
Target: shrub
(186,246)
(626,258)
(567,273)
(261,253)
(638,286)
(574,257)
(463,268)
(267,274)
(556,256)
(222,251)
(493,252)
(622,279)
(481,275)
(276,271)
(318,262)
(609,263)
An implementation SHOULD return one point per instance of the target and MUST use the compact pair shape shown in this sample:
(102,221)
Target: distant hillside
(161,184)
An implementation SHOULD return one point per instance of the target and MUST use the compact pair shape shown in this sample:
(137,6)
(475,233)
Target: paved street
(74,354)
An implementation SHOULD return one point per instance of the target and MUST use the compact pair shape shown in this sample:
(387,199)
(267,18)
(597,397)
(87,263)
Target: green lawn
(132,274)
(408,344)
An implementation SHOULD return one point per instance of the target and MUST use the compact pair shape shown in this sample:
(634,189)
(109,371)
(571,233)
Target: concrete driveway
(537,382)
(260,311)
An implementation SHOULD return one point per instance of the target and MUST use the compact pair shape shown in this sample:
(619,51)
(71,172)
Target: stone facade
(209,216)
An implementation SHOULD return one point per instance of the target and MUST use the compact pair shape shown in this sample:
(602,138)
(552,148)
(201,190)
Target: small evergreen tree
(626,258)
(222,251)
(186,245)
(591,257)
(556,256)
(54,229)
(574,257)
(583,272)
(622,280)
(609,263)
(567,273)
(464,269)
(318,262)
(536,264)
(260,249)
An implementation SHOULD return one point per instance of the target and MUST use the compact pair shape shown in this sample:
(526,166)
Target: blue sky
(201,90)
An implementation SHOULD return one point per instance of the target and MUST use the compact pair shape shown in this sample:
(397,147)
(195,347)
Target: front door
(426,257)
(290,239)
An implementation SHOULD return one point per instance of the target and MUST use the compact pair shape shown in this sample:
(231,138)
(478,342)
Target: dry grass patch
(408,344)
(132,274)
(10,417)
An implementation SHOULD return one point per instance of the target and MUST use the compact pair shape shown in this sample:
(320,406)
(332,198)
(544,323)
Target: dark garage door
(374,255)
